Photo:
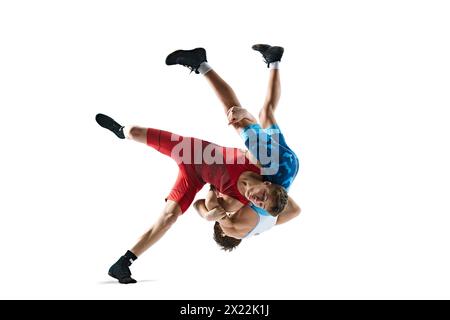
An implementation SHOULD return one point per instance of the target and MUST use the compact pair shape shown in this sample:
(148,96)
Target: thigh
(183,191)
(164,141)
(267,117)
(275,132)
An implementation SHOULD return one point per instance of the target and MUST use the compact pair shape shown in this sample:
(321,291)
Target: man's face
(260,195)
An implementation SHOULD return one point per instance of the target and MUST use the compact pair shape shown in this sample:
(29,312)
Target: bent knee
(170,217)
(266,111)
(266,116)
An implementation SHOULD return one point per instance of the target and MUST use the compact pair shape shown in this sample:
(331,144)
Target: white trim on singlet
(265,222)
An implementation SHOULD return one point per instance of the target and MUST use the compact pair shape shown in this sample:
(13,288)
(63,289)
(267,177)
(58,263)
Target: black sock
(130,257)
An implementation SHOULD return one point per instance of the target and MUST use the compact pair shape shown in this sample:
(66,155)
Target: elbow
(293,212)
(297,210)
(197,204)
(211,216)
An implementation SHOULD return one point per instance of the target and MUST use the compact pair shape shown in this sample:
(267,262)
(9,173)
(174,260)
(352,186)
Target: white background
(365,105)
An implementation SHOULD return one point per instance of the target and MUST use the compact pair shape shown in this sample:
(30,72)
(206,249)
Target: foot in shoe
(127,280)
(191,59)
(121,271)
(110,124)
(269,53)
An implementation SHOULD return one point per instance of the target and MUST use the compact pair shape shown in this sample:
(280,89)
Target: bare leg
(137,134)
(223,91)
(167,218)
(170,213)
(266,115)
(120,270)
(227,96)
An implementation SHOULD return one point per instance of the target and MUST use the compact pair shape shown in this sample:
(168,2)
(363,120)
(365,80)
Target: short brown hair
(279,199)
(225,242)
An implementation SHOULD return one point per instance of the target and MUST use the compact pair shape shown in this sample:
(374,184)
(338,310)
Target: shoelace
(191,68)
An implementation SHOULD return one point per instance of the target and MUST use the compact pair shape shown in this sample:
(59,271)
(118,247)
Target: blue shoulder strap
(259,211)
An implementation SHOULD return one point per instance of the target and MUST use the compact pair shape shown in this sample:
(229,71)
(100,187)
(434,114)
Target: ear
(267,183)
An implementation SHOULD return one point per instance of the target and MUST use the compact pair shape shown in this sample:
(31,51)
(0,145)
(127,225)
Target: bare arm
(291,211)
(211,200)
(240,117)
(210,215)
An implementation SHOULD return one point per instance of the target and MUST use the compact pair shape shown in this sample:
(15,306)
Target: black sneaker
(110,124)
(269,53)
(188,58)
(121,271)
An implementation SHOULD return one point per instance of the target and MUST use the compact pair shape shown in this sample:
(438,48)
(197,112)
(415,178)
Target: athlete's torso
(238,225)
(222,168)
(279,163)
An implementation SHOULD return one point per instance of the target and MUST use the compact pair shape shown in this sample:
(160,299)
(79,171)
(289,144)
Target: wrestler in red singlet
(197,168)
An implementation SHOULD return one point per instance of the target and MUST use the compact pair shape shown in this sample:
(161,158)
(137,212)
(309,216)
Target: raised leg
(195,60)
(228,98)
(272,56)
(223,90)
(267,112)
